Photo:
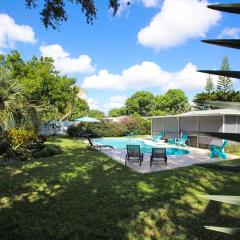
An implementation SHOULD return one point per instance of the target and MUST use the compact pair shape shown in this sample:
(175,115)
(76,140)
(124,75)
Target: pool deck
(196,156)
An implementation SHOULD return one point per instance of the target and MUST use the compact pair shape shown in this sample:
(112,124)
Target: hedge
(127,126)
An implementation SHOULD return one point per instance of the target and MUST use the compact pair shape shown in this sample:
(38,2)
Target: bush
(48,151)
(136,126)
(4,147)
(233,148)
(75,130)
(129,125)
(20,142)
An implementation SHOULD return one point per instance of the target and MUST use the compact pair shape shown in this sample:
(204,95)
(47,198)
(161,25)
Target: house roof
(215,112)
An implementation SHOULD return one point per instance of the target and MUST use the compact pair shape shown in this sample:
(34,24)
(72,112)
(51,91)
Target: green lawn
(82,194)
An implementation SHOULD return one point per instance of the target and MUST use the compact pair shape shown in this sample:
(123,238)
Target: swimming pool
(145,148)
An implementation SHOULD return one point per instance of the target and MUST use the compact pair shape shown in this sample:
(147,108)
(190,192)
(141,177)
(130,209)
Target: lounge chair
(97,146)
(158,154)
(134,152)
(158,137)
(218,151)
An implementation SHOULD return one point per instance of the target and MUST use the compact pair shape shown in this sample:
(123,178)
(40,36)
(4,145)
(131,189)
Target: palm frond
(227,230)
(223,198)
(221,104)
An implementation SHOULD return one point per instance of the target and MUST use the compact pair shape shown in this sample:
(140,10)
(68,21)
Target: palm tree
(15,109)
(10,96)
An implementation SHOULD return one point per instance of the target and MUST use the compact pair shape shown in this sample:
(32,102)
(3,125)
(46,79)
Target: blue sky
(150,46)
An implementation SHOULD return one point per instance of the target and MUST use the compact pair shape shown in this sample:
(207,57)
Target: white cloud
(93,103)
(146,75)
(64,63)
(103,80)
(145,3)
(230,32)
(150,3)
(177,22)
(114,102)
(10,32)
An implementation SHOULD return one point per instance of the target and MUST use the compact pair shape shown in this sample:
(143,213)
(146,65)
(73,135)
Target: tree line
(33,91)
(144,103)
(175,101)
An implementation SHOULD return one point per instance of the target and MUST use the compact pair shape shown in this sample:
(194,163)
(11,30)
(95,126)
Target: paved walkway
(196,156)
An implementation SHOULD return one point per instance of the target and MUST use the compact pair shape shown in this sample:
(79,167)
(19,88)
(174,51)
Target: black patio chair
(97,146)
(158,154)
(134,152)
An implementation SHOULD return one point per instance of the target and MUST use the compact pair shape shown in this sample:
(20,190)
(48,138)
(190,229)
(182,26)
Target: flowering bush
(136,126)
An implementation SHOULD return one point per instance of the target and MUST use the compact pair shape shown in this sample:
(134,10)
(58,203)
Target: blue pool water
(145,148)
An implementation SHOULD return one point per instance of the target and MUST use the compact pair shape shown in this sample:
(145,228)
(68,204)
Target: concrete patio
(196,156)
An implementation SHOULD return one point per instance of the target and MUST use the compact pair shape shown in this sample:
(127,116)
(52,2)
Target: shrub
(20,142)
(48,151)
(75,130)
(129,125)
(233,148)
(4,147)
(136,126)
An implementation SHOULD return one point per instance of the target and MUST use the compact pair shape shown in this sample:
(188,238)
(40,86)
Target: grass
(82,194)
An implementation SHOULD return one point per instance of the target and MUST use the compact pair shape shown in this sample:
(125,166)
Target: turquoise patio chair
(182,141)
(158,137)
(218,151)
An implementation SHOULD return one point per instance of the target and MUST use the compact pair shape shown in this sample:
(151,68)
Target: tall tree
(95,113)
(174,101)
(209,87)
(116,112)
(225,84)
(141,103)
(40,82)
(54,12)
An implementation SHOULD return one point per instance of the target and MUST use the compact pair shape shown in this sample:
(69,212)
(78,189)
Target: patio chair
(218,151)
(182,141)
(158,154)
(158,137)
(134,152)
(97,146)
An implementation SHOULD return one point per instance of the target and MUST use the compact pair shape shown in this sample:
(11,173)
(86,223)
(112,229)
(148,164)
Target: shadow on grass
(235,168)
(82,194)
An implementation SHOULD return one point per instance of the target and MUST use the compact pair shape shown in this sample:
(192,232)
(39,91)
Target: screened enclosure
(220,120)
